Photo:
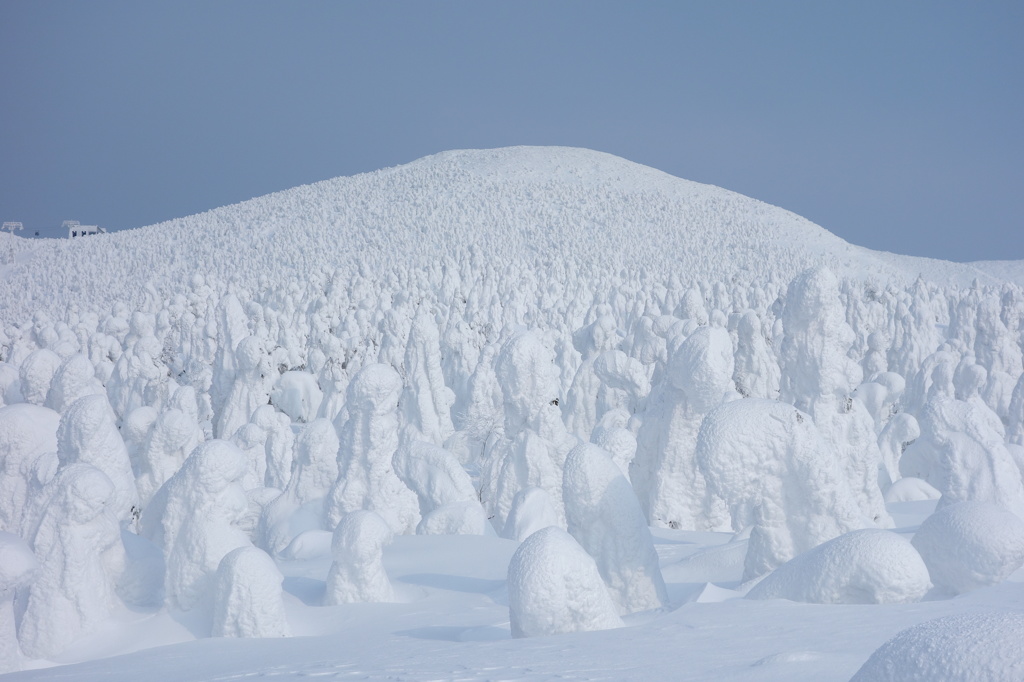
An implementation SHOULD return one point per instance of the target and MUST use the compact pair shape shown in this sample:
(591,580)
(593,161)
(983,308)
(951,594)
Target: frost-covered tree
(88,433)
(18,567)
(447,498)
(604,516)
(36,373)
(756,372)
(74,379)
(554,586)
(28,433)
(819,378)
(532,451)
(777,477)
(665,476)
(426,401)
(247,594)
(249,388)
(963,454)
(357,574)
(301,506)
(368,442)
(203,506)
(78,546)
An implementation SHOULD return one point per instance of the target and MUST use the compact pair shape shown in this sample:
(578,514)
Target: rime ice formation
(426,401)
(756,371)
(301,506)
(279,445)
(968,545)
(605,518)
(960,648)
(204,503)
(247,599)
(819,377)
(778,477)
(612,435)
(74,379)
(534,444)
(369,440)
(896,435)
(78,546)
(173,435)
(18,567)
(554,587)
(250,387)
(88,434)
(581,404)
(27,433)
(447,498)
(670,486)
(962,453)
(868,566)
(297,395)
(532,510)
(430,342)
(910,489)
(357,574)
(36,374)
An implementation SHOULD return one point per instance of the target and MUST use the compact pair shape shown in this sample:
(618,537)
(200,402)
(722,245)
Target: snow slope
(557,211)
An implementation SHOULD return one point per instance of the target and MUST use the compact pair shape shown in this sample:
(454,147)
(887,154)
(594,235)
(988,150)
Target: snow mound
(868,566)
(554,586)
(970,545)
(965,648)
(248,596)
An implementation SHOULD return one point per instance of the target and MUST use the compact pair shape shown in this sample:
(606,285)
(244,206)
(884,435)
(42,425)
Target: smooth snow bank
(970,545)
(554,586)
(962,648)
(867,566)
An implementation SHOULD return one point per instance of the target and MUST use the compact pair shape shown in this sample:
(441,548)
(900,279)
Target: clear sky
(896,125)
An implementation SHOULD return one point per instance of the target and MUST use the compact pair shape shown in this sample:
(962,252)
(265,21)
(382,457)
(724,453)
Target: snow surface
(365,412)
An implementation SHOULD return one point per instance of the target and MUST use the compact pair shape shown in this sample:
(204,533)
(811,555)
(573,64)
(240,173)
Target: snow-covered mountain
(547,211)
(528,413)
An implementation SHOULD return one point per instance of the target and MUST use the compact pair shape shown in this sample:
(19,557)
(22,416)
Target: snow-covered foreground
(515,414)
(453,624)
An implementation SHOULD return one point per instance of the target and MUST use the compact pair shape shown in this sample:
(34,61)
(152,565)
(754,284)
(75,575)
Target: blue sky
(897,126)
